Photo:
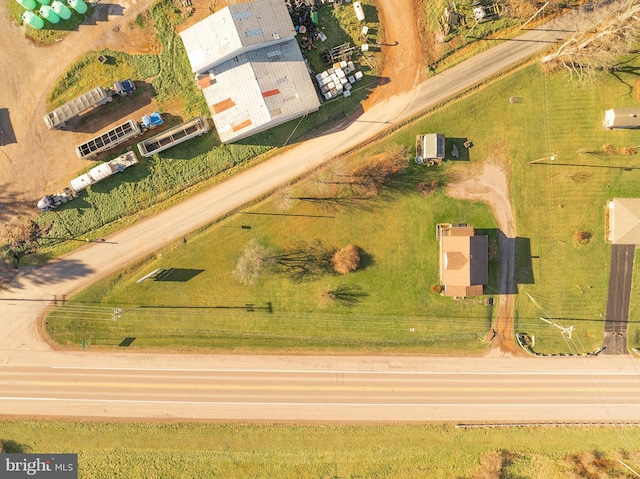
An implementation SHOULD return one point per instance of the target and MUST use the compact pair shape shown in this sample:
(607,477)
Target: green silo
(47,13)
(61,9)
(32,19)
(78,5)
(27,4)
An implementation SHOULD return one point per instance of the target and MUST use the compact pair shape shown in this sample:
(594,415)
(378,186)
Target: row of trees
(300,261)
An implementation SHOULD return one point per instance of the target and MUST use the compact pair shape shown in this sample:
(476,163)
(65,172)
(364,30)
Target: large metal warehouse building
(249,66)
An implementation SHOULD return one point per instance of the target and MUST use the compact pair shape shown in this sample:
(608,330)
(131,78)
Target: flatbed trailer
(174,136)
(95,97)
(93,176)
(108,140)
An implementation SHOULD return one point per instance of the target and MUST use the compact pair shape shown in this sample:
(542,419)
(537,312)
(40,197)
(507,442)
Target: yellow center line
(266,387)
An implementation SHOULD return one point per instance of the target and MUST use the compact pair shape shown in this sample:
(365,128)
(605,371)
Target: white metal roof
(257,77)
(260,89)
(235,30)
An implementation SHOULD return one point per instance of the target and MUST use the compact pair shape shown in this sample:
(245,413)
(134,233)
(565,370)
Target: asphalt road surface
(324,389)
(34,380)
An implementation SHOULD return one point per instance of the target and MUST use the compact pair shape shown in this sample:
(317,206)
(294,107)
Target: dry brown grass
(492,464)
(593,465)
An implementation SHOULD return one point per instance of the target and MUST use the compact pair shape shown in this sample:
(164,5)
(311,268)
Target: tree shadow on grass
(345,295)
(53,272)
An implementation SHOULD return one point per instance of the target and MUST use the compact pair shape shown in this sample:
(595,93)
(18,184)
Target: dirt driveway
(488,182)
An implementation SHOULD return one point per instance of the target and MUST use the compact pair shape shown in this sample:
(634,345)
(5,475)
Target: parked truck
(82,182)
(94,98)
(174,136)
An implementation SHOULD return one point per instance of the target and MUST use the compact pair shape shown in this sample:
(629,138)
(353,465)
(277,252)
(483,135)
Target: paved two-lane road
(346,389)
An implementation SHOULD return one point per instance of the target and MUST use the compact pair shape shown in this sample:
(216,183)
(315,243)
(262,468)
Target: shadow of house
(518,263)
(523,273)
(7,135)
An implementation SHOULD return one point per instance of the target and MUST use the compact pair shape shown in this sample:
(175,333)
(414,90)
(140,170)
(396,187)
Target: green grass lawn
(203,305)
(176,450)
(553,199)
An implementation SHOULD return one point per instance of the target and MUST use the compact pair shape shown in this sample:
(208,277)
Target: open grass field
(554,199)
(199,303)
(175,450)
(160,177)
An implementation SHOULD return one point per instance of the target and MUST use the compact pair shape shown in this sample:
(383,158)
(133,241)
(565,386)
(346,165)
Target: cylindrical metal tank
(61,9)
(357,6)
(78,5)
(44,2)
(32,19)
(28,4)
(47,13)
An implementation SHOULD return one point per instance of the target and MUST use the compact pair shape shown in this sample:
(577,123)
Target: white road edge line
(355,371)
(290,404)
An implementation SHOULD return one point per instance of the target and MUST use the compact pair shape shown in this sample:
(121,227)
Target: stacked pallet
(338,79)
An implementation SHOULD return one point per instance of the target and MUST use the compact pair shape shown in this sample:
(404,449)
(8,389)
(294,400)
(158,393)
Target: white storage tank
(32,20)
(61,9)
(357,6)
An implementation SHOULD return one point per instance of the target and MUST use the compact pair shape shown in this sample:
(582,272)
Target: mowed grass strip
(179,450)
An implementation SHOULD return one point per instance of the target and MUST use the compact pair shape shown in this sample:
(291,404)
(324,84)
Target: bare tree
(375,173)
(300,261)
(253,261)
(610,30)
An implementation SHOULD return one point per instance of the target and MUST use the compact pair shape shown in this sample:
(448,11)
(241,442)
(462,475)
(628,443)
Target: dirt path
(488,182)
(401,47)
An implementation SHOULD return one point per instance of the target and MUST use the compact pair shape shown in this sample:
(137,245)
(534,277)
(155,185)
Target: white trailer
(174,136)
(93,176)
(93,98)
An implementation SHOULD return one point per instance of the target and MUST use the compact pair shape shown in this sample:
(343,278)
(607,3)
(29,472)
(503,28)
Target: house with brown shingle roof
(623,221)
(464,260)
